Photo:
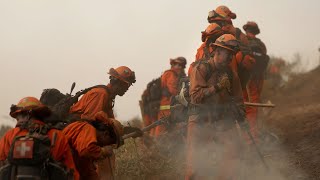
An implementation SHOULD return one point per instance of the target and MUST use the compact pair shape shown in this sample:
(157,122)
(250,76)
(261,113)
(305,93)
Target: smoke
(216,154)
(227,155)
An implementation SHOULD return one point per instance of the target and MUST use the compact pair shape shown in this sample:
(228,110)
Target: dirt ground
(296,120)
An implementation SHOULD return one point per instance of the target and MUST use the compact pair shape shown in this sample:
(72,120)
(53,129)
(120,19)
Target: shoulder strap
(84,91)
(209,71)
(206,51)
(41,129)
(208,67)
(230,74)
(238,33)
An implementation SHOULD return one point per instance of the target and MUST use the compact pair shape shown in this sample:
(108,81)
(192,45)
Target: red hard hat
(124,74)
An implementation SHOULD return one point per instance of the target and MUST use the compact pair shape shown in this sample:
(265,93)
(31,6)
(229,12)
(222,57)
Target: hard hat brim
(42,110)
(119,77)
(225,47)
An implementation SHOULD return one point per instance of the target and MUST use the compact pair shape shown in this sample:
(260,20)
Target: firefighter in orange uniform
(30,114)
(91,140)
(255,83)
(169,88)
(102,98)
(214,87)
(204,52)
(243,61)
(97,100)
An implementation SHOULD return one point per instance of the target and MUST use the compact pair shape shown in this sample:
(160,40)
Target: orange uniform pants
(252,94)
(161,129)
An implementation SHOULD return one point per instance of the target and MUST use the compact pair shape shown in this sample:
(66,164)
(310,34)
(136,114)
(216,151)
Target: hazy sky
(45,44)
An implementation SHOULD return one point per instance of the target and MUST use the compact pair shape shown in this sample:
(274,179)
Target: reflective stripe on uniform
(165,107)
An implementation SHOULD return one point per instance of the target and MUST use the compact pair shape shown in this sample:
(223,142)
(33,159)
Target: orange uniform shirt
(94,101)
(97,99)
(83,140)
(169,83)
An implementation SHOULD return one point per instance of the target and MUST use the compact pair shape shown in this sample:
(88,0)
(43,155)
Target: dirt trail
(296,119)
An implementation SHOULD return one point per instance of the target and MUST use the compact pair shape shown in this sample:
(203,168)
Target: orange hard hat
(179,60)
(29,104)
(213,16)
(212,29)
(252,27)
(124,74)
(227,41)
(225,12)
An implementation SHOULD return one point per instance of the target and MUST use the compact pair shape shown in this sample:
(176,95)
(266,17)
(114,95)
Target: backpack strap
(238,33)
(36,128)
(84,91)
(245,49)
(206,50)
(208,68)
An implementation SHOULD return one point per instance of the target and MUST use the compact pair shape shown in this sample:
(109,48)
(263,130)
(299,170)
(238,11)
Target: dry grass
(163,159)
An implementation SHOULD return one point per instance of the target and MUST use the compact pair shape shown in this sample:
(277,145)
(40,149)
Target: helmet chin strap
(29,114)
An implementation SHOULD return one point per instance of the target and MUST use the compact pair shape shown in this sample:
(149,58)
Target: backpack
(152,97)
(30,158)
(262,59)
(154,89)
(242,47)
(244,74)
(60,104)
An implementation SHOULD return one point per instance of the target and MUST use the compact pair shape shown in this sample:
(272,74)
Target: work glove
(129,129)
(224,83)
(106,151)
